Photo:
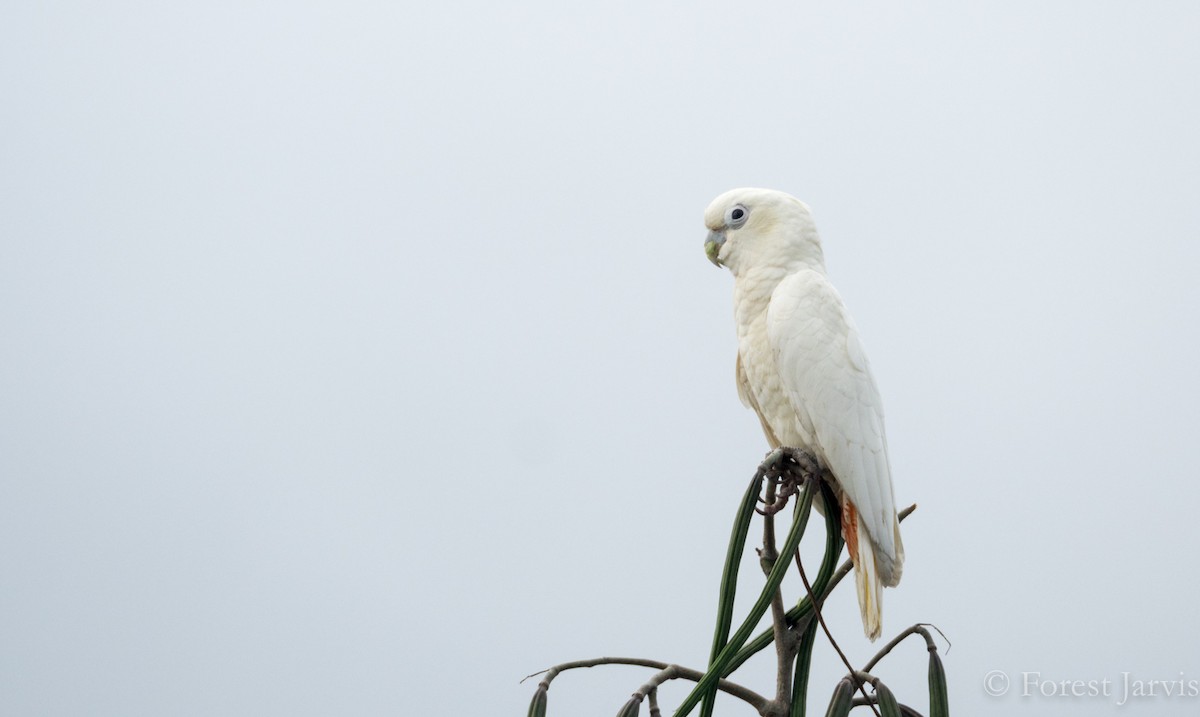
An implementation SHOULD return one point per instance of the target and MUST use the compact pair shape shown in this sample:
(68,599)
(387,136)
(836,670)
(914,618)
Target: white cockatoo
(801,367)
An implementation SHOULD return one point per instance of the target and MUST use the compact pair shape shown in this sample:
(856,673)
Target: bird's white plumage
(802,368)
(825,372)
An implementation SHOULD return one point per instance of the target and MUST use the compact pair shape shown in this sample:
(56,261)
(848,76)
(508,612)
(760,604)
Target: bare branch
(768,555)
(918,629)
(787,471)
(821,619)
(745,694)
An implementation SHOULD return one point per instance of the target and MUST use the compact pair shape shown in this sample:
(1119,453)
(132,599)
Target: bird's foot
(789,468)
(774,458)
(786,459)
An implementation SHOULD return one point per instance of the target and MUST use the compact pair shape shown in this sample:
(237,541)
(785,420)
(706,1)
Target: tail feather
(866,571)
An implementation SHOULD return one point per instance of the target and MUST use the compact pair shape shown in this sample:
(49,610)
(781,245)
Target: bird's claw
(789,468)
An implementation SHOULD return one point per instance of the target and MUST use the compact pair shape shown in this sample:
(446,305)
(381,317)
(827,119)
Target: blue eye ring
(736,216)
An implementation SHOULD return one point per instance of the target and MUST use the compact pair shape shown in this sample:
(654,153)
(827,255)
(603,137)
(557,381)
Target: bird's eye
(736,216)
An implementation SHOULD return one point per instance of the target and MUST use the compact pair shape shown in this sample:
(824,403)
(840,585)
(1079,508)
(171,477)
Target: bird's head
(750,228)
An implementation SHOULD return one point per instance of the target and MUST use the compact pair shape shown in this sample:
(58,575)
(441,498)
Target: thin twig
(745,694)
(939,631)
(918,629)
(821,619)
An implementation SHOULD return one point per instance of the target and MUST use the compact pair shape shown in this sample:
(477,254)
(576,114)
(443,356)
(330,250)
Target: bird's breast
(782,421)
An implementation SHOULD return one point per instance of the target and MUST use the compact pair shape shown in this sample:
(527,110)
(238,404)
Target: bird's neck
(752,289)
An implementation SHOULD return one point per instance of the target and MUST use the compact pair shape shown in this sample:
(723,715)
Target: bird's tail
(866,572)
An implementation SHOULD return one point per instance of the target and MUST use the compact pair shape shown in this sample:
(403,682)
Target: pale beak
(712,246)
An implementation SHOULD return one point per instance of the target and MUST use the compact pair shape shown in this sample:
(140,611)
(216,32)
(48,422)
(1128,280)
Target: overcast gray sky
(362,358)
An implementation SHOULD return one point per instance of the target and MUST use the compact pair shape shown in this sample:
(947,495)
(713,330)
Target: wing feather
(825,371)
